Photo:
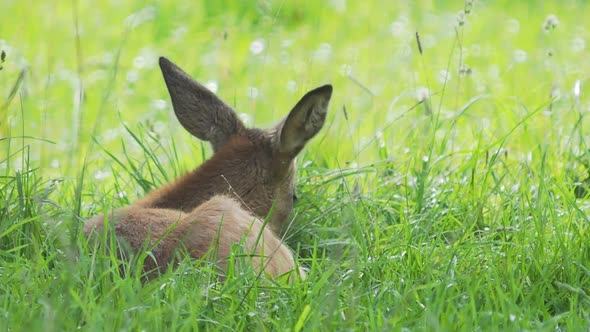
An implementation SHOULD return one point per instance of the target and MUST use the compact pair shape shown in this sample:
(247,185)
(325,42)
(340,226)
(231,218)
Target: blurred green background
(92,65)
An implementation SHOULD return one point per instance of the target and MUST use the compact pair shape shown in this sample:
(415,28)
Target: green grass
(425,203)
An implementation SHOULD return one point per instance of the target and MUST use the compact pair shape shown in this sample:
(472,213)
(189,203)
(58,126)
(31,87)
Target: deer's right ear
(198,109)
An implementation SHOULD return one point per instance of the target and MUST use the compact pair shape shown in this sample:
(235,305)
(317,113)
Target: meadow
(448,189)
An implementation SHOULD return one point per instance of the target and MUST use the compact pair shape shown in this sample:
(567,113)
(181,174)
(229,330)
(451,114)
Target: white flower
(212,86)
(551,22)
(422,93)
(257,46)
(252,92)
(578,44)
(520,56)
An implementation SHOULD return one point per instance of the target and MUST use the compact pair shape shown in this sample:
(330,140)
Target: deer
(242,195)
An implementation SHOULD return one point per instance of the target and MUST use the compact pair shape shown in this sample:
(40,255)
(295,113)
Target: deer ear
(198,109)
(305,120)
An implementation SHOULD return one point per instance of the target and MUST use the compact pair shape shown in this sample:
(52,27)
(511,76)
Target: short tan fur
(223,202)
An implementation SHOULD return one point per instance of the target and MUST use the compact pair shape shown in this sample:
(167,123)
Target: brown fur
(221,203)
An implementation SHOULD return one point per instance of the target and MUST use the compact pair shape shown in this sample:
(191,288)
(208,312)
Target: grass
(446,191)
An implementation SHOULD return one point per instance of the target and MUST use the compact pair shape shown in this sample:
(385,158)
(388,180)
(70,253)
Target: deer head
(254,165)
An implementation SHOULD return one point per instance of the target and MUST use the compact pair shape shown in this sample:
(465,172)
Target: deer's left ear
(304,121)
(199,110)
